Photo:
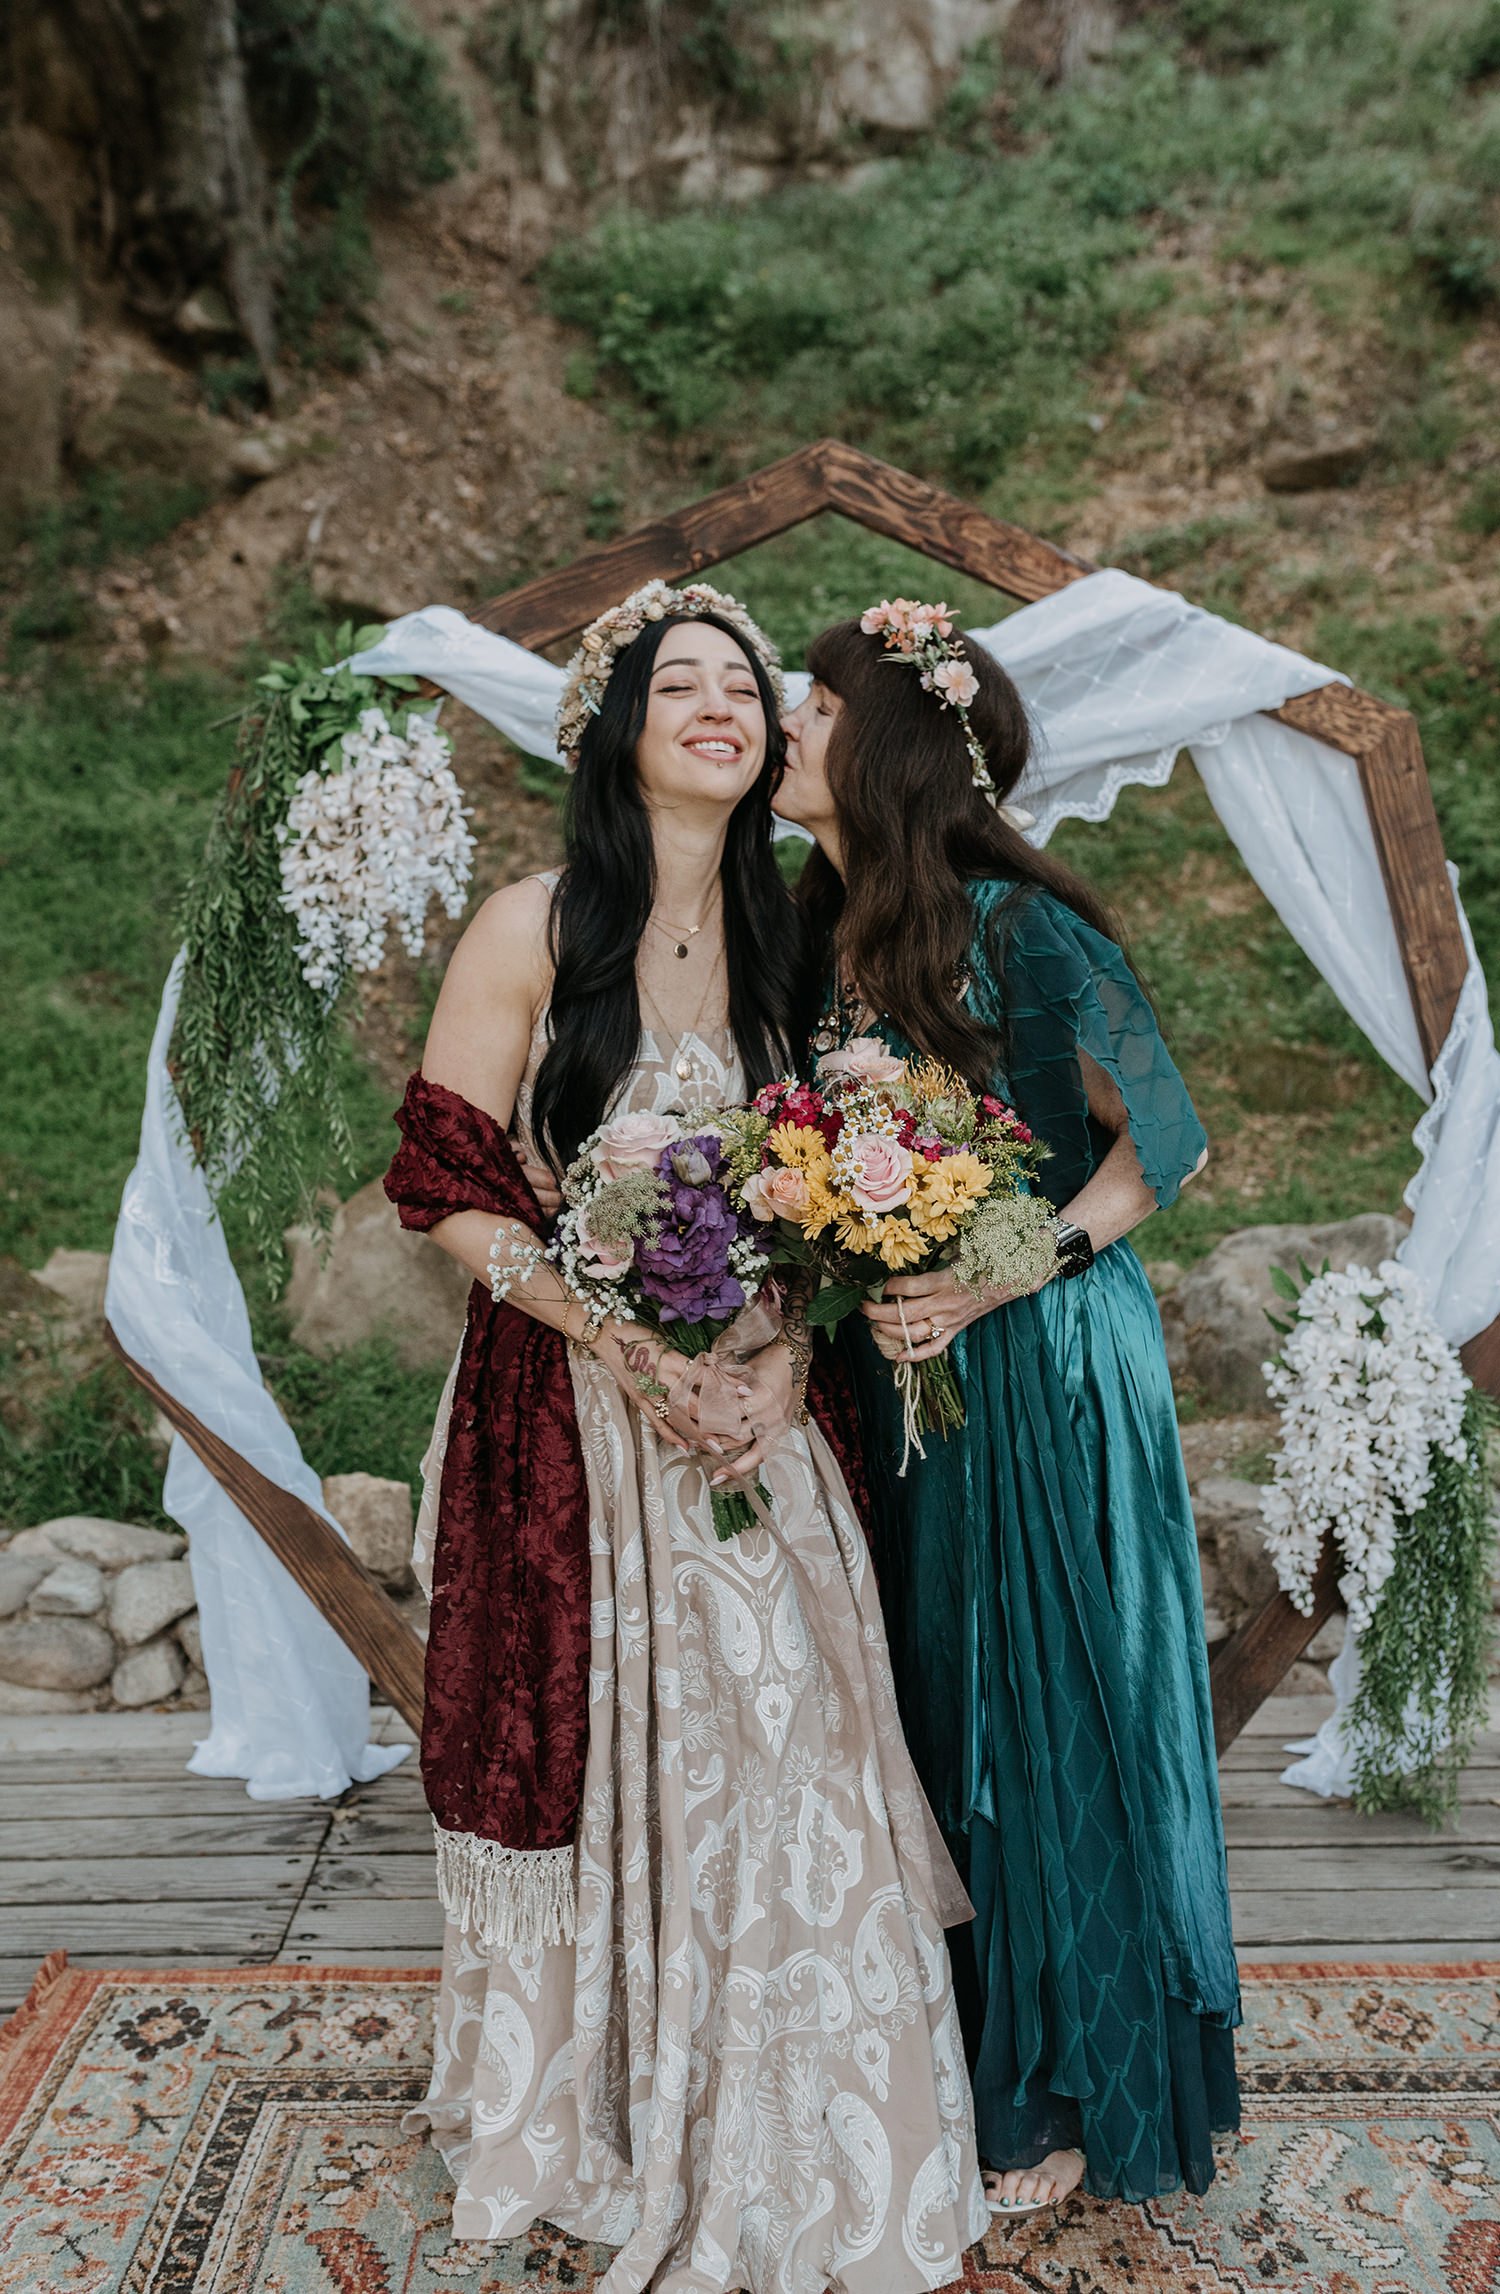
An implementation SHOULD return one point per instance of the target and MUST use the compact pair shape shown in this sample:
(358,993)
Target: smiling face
(804,795)
(704,738)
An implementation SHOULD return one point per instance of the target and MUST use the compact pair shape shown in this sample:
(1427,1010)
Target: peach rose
(866,1059)
(777,1195)
(632,1143)
(882,1172)
(609,1261)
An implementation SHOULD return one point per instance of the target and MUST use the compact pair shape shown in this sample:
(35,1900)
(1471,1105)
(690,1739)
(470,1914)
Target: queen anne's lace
(372,843)
(1369,1389)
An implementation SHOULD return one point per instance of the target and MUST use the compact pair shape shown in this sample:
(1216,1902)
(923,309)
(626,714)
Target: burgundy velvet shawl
(505,1727)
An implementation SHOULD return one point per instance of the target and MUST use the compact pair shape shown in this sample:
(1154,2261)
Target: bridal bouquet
(649,1229)
(884,1166)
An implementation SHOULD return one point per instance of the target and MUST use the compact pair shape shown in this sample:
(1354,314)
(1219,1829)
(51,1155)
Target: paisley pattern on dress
(748,2071)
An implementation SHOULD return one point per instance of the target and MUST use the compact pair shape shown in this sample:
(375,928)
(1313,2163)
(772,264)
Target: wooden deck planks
(119,1855)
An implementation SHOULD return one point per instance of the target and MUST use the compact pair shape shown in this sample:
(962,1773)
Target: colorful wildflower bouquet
(649,1229)
(883,1166)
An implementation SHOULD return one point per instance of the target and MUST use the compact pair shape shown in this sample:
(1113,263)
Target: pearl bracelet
(511,1261)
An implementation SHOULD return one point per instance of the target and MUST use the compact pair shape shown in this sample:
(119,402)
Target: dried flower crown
(604,640)
(922,636)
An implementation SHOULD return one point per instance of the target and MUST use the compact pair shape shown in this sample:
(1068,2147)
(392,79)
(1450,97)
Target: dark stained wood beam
(1387,748)
(332,1576)
(941,526)
(1246,1669)
(752,510)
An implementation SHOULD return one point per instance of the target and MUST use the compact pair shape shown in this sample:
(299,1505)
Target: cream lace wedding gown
(747,2072)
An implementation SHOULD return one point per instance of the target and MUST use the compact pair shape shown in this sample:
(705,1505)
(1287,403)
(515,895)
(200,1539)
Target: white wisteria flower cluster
(1369,1390)
(371,843)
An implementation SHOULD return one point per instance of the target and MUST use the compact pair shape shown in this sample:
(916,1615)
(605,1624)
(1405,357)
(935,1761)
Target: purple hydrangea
(687,1270)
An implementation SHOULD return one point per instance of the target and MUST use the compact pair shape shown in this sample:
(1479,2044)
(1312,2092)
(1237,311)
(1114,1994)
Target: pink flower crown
(605,640)
(921,635)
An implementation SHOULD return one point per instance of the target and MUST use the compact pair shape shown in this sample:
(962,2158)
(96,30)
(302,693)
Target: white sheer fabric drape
(291,1707)
(1119,677)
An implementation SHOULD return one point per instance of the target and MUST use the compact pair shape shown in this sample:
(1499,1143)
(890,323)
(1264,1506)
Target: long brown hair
(916,833)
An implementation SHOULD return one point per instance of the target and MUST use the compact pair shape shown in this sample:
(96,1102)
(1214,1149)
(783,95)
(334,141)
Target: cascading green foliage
(255,1051)
(1424,1673)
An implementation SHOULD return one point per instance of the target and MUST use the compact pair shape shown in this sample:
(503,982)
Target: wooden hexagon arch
(1383,741)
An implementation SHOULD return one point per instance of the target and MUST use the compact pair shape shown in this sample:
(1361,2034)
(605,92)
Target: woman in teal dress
(1039,1569)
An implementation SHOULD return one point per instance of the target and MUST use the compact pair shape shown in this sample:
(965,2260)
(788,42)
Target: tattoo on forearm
(643,1361)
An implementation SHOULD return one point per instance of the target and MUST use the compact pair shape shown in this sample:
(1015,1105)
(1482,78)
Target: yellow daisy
(800,1148)
(900,1244)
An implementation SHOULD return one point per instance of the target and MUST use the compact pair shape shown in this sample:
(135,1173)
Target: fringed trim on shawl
(517,1899)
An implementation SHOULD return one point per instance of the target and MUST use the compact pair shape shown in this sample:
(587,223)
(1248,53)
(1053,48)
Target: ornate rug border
(60,1993)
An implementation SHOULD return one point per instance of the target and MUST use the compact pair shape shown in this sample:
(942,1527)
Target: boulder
(194,1691)
(1214,1318)
(108,1544)
(1227,1513)
(190,1635)
(1327,462)
(72,1589)
(149,1675)
(149,1596)
(20,1575)
(78,1279)
(55,1653)
(377,1280)
(264,454)
(376,1516)
(14,1699)
(1304,1680)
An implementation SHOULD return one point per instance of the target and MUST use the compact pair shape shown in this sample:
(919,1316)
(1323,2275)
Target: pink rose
(608,1261)
(777,1195)
(632,1143)
(882,1172)
(866,1059)
(956,682)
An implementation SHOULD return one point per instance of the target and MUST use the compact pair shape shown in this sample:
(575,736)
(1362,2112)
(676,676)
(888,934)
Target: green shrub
(91,1450)
(351,99)
(358,1412)
(945,312)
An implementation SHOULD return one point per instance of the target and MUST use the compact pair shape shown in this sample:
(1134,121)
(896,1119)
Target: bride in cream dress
(746,2072)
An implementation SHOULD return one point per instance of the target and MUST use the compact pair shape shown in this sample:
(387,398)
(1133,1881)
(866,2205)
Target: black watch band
(1075,1252)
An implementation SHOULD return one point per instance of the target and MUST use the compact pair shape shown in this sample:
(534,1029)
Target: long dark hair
(601,905)
(915,834)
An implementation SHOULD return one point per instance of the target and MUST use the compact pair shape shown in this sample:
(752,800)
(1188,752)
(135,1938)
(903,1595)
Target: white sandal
(1012,2210)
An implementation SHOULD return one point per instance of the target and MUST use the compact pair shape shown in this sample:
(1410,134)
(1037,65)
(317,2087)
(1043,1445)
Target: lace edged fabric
(513,1899)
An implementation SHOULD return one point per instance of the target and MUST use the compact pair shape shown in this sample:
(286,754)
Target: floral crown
(923,636)
(605,640)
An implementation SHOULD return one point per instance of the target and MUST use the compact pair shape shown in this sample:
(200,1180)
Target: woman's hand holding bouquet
(648,1232)
(887,1167)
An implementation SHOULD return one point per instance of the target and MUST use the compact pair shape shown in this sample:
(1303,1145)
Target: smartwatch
(1075,1253)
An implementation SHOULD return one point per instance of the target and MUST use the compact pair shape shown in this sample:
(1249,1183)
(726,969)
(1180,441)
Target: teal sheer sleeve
(1054,987)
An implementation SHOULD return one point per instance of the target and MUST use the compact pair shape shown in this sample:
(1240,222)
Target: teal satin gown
(1039,1574)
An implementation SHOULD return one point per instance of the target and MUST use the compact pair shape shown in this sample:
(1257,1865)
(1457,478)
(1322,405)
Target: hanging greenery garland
(341,818)
(1383,1447)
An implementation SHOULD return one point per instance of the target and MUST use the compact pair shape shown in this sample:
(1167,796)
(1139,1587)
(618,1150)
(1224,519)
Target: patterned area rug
(238,2132)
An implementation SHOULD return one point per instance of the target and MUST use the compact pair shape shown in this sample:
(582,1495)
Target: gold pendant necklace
(678,934)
